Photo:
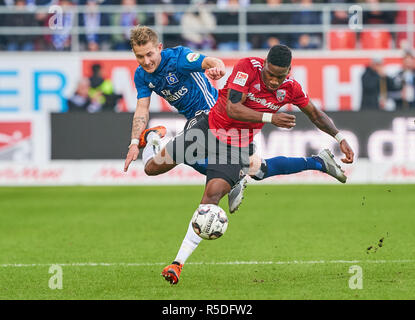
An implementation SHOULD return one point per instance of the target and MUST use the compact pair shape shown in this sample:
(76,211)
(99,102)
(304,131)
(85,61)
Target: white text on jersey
(263,102)
(175,96)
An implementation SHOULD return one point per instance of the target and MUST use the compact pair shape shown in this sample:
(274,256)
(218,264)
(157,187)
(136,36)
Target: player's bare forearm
(215,68)
(140,120)
(139,124)
(211,62)
(324,123)
(141,117)
(320,119)
(240,112)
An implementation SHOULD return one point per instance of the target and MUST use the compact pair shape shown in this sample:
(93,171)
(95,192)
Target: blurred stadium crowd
(199,24)
(380,91)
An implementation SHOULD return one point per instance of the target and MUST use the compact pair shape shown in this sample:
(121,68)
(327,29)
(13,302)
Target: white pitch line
(150,264)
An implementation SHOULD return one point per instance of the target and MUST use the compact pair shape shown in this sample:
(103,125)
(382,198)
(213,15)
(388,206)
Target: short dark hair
(280,56)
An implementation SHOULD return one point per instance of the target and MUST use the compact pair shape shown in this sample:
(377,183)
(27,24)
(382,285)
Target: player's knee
(214,195)
(254,165)
(150,169)
(211,198)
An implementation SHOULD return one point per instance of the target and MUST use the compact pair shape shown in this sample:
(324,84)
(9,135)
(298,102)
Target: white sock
(189,244)
(149,151)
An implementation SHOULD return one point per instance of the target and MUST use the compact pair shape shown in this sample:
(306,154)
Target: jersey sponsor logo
(240,78)
(281,93)
(192,57)
(151,86)
(171,97)
(172,79)
(262,101)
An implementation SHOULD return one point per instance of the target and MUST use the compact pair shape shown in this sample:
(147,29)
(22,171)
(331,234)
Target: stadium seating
(342,40)
(375,39)
(401,18)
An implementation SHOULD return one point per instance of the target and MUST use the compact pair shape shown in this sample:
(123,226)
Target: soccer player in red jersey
(253,94)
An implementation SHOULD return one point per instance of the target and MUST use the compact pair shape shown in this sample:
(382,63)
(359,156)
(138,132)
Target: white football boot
(236,195)
(332,168)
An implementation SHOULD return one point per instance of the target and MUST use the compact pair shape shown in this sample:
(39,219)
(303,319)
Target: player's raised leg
(323,162)
(330,166)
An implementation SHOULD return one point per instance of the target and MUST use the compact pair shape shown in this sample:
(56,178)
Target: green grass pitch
(296,242)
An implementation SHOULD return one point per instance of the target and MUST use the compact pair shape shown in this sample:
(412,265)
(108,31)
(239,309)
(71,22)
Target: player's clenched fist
(215,73)
(283,120)
(131,156)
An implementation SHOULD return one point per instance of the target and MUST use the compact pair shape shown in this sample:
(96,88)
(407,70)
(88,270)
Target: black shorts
(197,142)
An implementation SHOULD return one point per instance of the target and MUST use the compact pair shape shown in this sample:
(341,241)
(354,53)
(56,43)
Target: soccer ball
(209,221)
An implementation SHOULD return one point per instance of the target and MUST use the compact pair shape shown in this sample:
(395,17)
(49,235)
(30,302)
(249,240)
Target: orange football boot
(172,272)
(160,130)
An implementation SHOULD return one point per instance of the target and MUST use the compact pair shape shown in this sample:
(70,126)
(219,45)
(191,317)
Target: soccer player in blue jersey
(176,74)
(179,76)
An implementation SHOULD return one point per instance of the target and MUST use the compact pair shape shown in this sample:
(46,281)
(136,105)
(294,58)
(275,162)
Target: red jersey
(246,78)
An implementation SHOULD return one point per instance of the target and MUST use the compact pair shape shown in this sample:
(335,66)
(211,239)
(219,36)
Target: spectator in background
(127,19)
(376,16)
(404,84)
(81,100)
(22,19)
(272,41)
(306,42)
(340,16)
(93,20)
(226,3)
(229,41)
(197,23)
(102,90)
(309,17)
(375,86)
(271,18)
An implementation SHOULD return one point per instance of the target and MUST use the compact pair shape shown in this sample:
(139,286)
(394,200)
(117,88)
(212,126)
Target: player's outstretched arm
(324,123)
(140,121)
(215,68)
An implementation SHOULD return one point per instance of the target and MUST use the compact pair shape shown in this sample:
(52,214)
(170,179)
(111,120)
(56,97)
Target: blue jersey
(180,80)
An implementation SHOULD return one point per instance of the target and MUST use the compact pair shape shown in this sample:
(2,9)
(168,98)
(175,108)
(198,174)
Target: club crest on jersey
(172,79)
(240,78)
(281,95)
(192,57)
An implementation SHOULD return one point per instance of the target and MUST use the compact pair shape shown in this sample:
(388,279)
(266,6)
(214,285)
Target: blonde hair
(141,35)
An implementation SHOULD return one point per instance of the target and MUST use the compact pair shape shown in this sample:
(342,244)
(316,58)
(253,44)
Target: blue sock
(284,165)
(200,166)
